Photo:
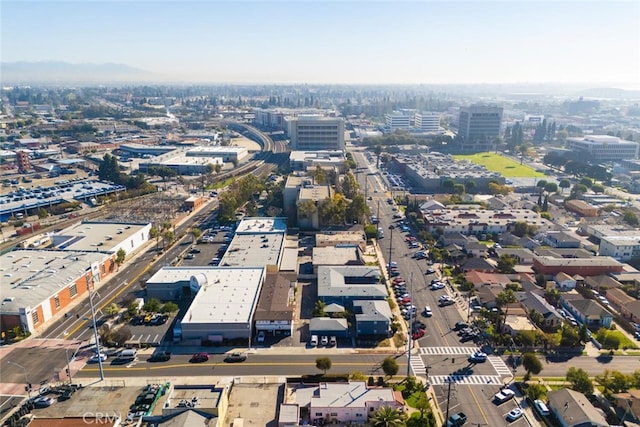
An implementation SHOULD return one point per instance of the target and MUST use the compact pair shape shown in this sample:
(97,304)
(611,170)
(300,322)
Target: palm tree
(386,416)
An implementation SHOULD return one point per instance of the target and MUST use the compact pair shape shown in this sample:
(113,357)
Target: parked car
(333,341)
(427,311)
(199,358)
(313,342)
(457,420)
(460,325)
(162,356)
(261,336)
(541,407)
(430,271)
(324,340)
(446,302)
(514,414)
(235,358)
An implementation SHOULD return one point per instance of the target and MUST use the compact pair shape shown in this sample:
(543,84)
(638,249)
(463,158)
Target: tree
(551,187)
(320,176)
(611,341)
(170,307)
(580,381)
(597,188)
(318,310)
(531,364)
(390,366)
(111,310)
(152,306)
(615,381)
(378,150)
(630,218)
(506,264)
(195,234)
(470,187)
(586,181)
(458,189)
(540,184)
(569,337)
(42,213)
(120,257)
(447,185)
(121,336)
(323,363)
(503,299)
(564,184)
(386,416)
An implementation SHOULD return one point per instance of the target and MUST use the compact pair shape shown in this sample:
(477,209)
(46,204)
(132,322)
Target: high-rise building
(401,119)
(479,124)
(315,132)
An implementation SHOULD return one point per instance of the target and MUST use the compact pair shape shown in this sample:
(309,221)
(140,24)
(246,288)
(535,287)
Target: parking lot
(150,333)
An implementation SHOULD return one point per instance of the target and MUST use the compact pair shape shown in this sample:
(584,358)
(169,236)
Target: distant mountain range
(52,72)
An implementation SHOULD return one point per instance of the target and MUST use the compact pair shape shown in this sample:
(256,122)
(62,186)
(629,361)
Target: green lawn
(503,165)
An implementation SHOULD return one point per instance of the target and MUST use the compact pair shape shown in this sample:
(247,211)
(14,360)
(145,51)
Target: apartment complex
(412,121)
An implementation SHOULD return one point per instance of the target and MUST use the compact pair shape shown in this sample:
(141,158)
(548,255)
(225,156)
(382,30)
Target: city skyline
(319,42)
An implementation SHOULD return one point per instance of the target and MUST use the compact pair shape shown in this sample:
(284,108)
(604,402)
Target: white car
(95,358)
(504,395)
(477,357)
(514,414)
(324,340)
(260,336)
(43,402)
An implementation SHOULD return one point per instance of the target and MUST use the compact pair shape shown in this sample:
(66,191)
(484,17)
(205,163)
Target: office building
(604,148)
(315,132)
(479,125)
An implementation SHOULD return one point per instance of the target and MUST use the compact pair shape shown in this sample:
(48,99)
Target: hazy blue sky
(336,42)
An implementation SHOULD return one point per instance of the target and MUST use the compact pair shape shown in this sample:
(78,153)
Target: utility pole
(448,399)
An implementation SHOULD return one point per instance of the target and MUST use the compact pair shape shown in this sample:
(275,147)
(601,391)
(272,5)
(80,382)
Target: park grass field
(501,164)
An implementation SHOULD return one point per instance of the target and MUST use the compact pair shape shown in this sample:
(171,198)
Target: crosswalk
(417,366)
(465,351)
(499,365)
(465,379)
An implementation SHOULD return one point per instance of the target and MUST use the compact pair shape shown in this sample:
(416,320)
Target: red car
(397,280)
(199,358)
(418,334)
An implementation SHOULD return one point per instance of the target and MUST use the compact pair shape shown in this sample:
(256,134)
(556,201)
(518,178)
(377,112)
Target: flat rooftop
(262,225)
(199,397)
(250,250)
(225,295)
(31,276)
(91,236)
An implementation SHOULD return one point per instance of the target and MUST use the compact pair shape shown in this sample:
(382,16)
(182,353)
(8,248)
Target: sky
(346,42)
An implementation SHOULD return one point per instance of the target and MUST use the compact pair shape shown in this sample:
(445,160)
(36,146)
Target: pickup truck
(503,395)
(457,420)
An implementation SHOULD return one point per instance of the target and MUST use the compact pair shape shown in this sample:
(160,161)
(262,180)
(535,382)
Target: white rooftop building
(224,303)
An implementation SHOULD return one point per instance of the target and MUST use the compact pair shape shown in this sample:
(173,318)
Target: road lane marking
(109,301)
(484,416)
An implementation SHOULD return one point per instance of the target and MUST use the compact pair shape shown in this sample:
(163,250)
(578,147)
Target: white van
(127,354)
(541,408)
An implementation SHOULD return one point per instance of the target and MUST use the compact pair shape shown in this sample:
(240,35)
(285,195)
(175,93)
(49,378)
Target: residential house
(343,403)
(564,252)
(478,264)
(480,279)
(535,301)
(514,324)
(602,282)
(562,239)
(618,298)
(628,403)
(513,240)
(475,248)
(373,317)
(564,282)
(573,409)
(586,311)
(341,238)
(486,296)
(631,311)
(521,255)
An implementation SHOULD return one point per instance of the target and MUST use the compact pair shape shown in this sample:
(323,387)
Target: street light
(95,327)
(410,339)
(26,380)
(391,227)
